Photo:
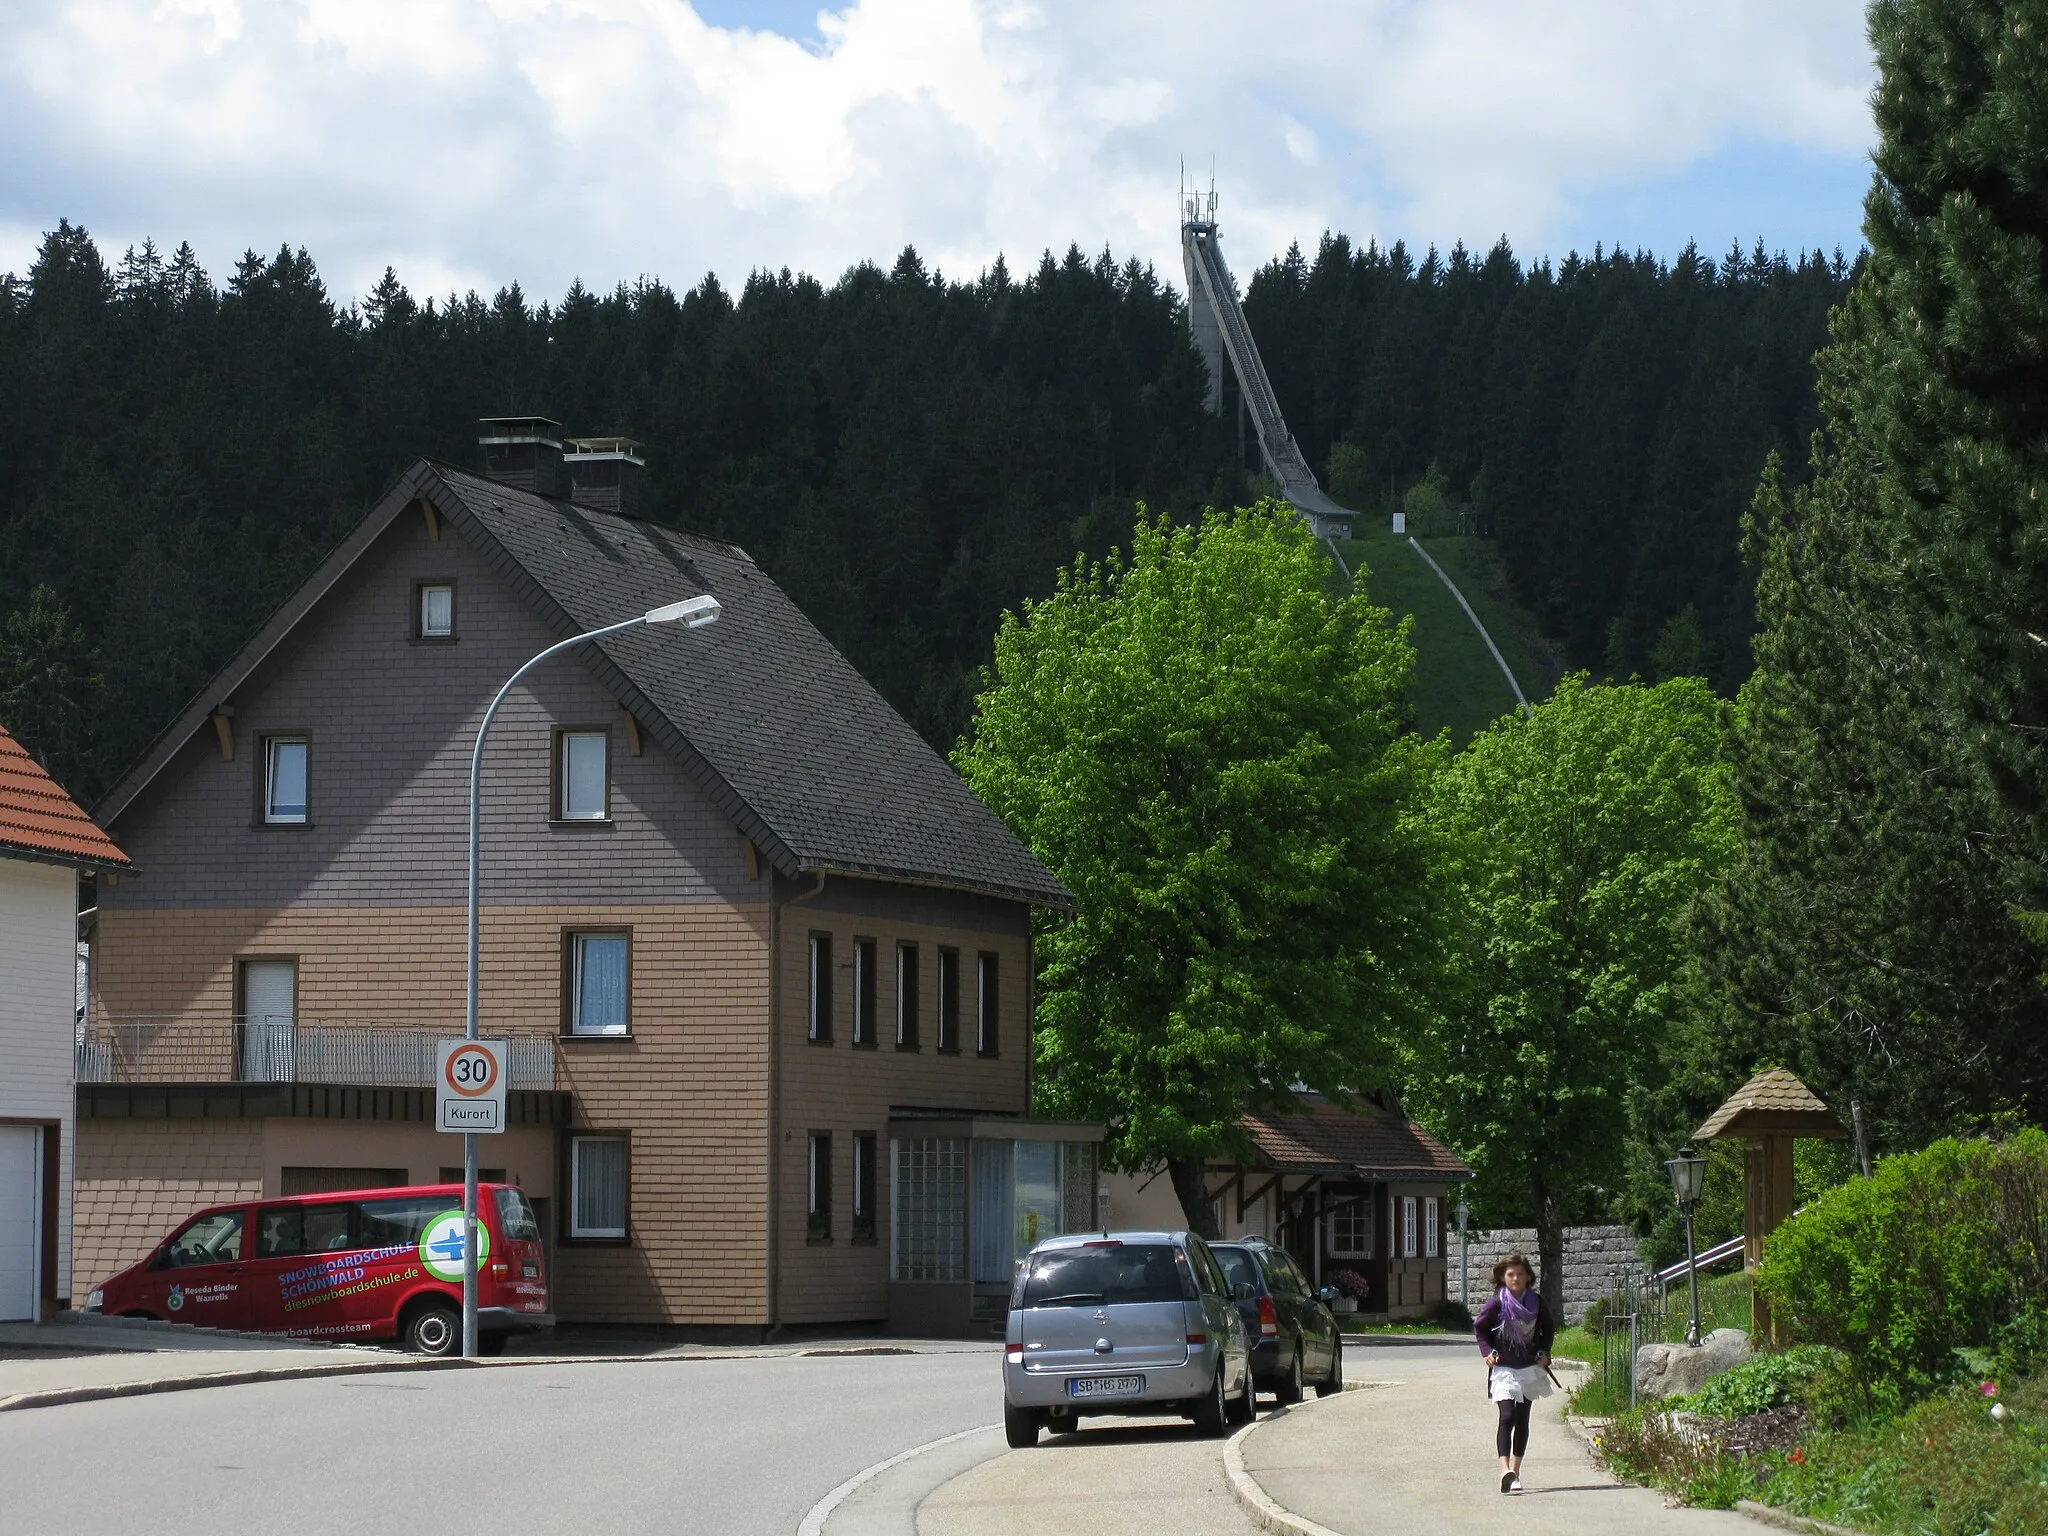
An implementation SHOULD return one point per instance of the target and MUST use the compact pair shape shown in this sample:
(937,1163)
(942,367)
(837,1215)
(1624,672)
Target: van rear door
(1106,1306)
(518,1262)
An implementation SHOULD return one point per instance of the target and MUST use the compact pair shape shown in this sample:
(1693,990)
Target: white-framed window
(818,1025)
(906,997)
(597,1186)
(1432,1228)
(1351,1227)
(284,780)
(818,1210)
(437,610)
(988,1001)
(600,983)
(949,999)
(581,776)
(863,991)
(1407,1226)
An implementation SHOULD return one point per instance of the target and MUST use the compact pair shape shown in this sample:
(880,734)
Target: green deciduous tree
(1205,743)
(1568,846)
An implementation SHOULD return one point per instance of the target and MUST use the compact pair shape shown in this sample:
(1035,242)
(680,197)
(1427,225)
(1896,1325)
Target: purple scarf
(1516,1329)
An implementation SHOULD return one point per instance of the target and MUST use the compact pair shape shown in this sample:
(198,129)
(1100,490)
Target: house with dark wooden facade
(1362,1189)
(764,960)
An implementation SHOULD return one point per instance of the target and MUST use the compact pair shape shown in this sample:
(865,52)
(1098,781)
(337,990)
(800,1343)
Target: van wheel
(1246,1408)
(1211,1413)
(1335,1381)
(1290,1384)
(435,1329)
(1020,1427)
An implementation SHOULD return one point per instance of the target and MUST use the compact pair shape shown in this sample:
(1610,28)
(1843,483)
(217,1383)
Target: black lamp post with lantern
(1688,1177)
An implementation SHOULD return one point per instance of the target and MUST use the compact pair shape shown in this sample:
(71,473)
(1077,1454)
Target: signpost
(469,1097)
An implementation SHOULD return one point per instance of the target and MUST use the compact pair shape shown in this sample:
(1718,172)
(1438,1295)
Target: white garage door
(21,1219)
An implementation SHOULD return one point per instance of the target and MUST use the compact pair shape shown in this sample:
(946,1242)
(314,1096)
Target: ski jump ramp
(1221,333)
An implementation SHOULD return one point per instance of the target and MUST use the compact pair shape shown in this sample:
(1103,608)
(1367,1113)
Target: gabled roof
(777,727)
(1772,1103)
(1369,1142)
(39,821)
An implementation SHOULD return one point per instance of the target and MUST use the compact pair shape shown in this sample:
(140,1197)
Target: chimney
(604,474)
(524,451)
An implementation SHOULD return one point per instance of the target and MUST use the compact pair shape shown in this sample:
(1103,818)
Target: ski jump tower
(1220,332)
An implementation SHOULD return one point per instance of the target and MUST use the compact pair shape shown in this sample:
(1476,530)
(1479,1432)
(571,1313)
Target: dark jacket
(1486,1329)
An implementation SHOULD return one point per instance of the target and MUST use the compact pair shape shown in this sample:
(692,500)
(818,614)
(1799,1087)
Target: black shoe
(1507,1482)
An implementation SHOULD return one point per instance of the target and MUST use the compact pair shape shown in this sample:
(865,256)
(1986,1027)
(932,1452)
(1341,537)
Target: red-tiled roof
(38,820)
(1370,1141)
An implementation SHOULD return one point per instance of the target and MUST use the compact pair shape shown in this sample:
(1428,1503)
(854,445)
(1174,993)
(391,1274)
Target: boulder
(1678,1370)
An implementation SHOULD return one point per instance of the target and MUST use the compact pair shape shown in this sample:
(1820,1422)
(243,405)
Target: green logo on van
(441,1246)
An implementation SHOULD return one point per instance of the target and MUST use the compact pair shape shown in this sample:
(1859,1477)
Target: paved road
(675,1445)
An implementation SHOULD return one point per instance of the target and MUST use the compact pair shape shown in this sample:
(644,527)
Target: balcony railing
(188,1048)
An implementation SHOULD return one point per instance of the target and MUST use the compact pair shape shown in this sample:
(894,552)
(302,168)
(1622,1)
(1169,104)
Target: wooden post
(1767,1197)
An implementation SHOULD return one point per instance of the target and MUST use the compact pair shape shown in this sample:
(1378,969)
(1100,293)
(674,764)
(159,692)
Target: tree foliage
(1566,848)
(909,454)
(1207,746)
(1873,935)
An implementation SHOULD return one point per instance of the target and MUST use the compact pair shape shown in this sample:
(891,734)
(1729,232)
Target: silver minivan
(1132,1323)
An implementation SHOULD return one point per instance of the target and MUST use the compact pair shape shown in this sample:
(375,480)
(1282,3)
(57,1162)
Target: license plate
(1106,1386)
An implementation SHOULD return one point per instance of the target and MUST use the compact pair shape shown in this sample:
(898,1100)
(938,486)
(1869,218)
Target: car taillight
(1013,1351)
(1269,1320)
(1198,1338)
(500,1268)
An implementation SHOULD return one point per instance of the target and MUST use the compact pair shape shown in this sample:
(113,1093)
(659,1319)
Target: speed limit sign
(469,1089)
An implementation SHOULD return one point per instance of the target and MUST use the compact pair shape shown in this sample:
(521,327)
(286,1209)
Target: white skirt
(1507,1384)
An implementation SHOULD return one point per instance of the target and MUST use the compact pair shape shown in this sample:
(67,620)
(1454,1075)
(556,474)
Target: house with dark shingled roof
(764,960)
(1359,1188)
(46,845)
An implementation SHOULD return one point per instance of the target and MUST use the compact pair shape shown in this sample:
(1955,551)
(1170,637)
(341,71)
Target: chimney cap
(588,448)
(521,429)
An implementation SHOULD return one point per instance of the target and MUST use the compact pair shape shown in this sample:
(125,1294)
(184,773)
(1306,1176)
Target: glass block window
(928,1208)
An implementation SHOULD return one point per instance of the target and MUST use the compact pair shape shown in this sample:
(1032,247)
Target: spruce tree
(1945,354)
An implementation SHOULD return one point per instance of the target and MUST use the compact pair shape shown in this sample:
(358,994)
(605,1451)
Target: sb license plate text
(1106,1386)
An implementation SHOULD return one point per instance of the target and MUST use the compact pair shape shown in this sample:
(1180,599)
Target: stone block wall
(1595,1258)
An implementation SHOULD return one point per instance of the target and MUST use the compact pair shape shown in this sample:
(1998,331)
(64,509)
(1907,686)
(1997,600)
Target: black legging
(1512,1438)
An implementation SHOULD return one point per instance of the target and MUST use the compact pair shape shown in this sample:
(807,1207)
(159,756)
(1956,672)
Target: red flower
(1989,1389)
(1798,1456)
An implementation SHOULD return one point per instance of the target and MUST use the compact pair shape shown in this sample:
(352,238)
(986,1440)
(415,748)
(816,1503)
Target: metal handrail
(1719,1253)
(221,1048)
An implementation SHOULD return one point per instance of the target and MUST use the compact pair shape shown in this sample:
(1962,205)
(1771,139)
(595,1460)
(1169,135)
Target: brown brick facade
(137,1180)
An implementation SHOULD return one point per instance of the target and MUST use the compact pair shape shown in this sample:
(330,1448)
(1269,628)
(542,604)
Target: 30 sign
(469,1088)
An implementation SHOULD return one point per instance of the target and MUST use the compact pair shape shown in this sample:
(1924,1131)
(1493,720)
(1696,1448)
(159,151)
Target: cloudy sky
(469,143)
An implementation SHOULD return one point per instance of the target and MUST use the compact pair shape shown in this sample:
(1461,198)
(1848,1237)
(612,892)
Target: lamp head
(695,612)
(1688,1175)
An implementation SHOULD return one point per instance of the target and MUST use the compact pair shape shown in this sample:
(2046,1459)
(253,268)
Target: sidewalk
(1412,1455)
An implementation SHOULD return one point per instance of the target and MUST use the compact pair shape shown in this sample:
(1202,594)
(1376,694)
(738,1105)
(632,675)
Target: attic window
(284,780)
(435,611)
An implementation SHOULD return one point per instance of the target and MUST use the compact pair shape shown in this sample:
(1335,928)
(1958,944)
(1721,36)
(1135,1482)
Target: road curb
(1254,1500)
(57,1397)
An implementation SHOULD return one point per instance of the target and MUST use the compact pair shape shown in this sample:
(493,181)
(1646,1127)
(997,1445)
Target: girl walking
(1514,1330)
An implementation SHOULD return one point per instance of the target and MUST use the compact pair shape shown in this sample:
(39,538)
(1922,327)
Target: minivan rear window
(516,1217)
(1100,1276)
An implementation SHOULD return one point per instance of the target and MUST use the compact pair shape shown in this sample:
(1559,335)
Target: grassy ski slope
(1456,683)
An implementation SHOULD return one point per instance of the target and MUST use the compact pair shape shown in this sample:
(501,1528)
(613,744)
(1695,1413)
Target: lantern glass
(1688,1175)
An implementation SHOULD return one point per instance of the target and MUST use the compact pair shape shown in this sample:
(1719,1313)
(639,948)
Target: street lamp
(695,612)
(1688,1177)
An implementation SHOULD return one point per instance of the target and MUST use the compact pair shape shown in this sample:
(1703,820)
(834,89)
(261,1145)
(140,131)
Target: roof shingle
(779,721)
(1776,1094)
(1374,1142)
(39,821)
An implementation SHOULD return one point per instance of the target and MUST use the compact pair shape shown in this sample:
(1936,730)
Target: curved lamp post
(695,612)
(1688,1177)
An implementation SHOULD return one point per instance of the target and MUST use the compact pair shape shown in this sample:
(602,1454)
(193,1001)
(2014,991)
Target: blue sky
(468,143)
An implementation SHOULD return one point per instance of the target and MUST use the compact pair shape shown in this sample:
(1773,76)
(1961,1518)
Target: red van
(353,1264)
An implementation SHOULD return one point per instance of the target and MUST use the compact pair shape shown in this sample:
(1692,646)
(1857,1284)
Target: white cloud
(546,139)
